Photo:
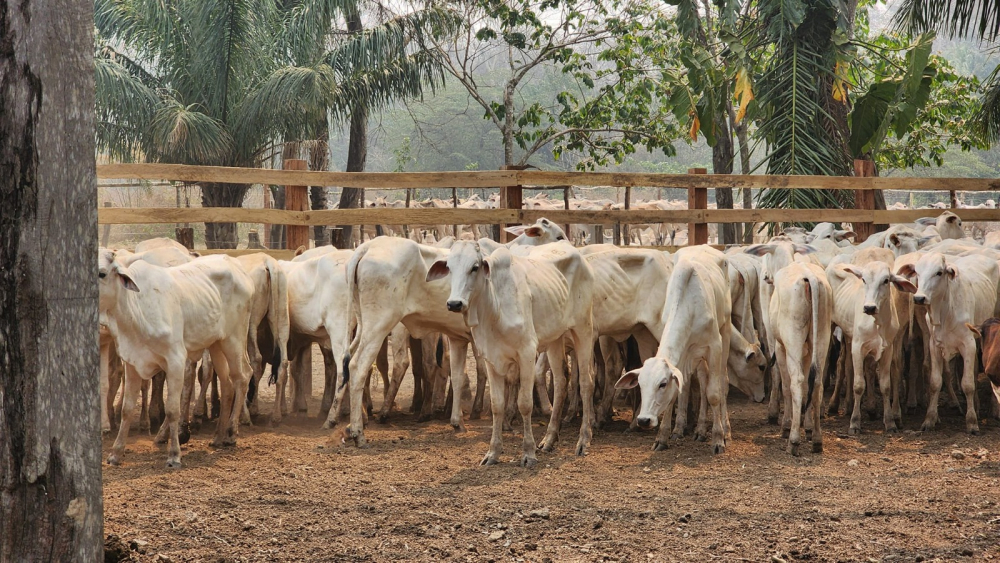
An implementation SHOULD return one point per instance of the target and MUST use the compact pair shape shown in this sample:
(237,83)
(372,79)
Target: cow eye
(102,275)
(561,238)
(886,282)
(475,268)
(940,272)
(663,385)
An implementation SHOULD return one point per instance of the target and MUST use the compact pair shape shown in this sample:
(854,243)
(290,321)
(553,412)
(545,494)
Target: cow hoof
(383,418)
(974,431)
(528,462)
(458,428)
(699,437)
(160,439)
(891,430)
(785,432)
(184,436)
(832,411)
(911,410)
(547,444)
(476,415)
(793,449)
(507,428)
(359,440)
(581,450)
(105,431)
(659,446)
(488,459)
(809,435)
(927,426)
(772,419)
(114,459)
(817,447)
(173,464)
(275,422)
(423,418)
(719,449)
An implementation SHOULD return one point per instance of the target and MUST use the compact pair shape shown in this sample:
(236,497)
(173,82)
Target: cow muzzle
(920,299)
(456,306)
(645,422)
(871,309)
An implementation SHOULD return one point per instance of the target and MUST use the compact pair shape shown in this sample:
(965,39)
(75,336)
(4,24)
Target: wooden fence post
(697,199)
(185,236)
(267,205)
(511,197)
(864,199)
(628,205)
(106,235)
(296,199)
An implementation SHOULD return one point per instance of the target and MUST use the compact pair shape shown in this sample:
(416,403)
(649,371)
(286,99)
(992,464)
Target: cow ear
(952,272)
(952,219)
(628,381)
(903,284)
(810,237)
(974,329)
(851,269)
(533,231)
(486,267)
(438,270)
(127,281)
(894,239)
(804,249)
(749,355)
(906,270)
(841,235)
(516,230)
(759,249)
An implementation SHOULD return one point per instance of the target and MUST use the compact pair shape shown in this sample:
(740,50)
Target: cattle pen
(297,492)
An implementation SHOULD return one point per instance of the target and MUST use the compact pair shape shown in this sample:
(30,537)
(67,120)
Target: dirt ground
(292,494)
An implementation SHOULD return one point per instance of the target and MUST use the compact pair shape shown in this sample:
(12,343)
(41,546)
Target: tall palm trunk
(319,159)
(722,163)
(50,440)
(357,149)
(222,235)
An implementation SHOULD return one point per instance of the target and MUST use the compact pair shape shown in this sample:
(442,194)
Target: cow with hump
(161,317)
(517,307)
(695,340)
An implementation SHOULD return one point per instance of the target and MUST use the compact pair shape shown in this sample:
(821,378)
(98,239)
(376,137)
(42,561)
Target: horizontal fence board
(531,179)
(276,254)
(787,215)
(910,215)
(373,180)
(609,217)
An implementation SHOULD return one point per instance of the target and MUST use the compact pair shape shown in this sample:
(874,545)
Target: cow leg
(458,350)
(896,380)
(257,369)
(156,399)
(773,404)
(816,409)
(524,405)
(419,375)
(886,385)
(858,362)
(606,353)
(681,419)
(557,354)
(186,392)
(915,373)
(382,364)
(369,344)
(968,351)
(510,400)
(477,403)
(227,396)
(303,378)
(786,397)
(701,427)
(541,366)
(840,375)
(949,384)
(573,393)
(329,381)
(583,360)
(105,386)
(497,385)
(116,377)
(934,384)
(796,391)
(133,384)
(715,390)
(176,374)
(144,424)
(204,379)
(399,340)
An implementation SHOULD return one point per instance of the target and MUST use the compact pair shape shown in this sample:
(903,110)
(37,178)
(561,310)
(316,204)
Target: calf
(958,293)
(161,317)
(990,332)
(515,308)
(695,340)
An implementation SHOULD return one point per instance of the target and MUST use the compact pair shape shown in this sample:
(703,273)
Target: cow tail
(273,308)
(815,364)
(353,334)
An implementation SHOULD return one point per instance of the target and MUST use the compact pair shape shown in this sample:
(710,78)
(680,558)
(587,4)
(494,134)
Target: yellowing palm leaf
(744,93)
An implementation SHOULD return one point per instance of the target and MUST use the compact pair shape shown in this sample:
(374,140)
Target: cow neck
(126,315)
(489,304)
(939,308)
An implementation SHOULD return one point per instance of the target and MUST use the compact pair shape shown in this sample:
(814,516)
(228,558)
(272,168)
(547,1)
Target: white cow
(800,311)
(515,308)
(696,340)
(947,225)
(871,305)
(959,293)
(161,317)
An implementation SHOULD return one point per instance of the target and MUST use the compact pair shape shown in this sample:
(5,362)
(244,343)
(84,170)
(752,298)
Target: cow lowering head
(659,385)
(877,278)
(933,274)
(542,232)
(747,371)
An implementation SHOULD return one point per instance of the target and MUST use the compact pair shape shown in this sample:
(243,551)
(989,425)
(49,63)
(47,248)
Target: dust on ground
(295,493)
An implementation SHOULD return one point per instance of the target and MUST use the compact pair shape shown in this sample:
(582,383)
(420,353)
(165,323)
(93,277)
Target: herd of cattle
(795,315)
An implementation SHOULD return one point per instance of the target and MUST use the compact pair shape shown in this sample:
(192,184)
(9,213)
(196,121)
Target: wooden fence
(512,182)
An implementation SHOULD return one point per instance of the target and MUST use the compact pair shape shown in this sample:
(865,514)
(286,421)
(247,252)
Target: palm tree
(973,19)
(223,82)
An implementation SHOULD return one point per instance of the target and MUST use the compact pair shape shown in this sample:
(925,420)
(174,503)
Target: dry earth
(294,494)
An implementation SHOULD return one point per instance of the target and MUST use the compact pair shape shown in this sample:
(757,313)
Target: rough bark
(722,163)
(50,438)
(222,235)
(357,150)
(319,159)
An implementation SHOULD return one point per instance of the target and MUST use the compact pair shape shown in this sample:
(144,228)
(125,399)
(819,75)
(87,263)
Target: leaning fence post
(296,199)
(697,199)
(864,199)
(511,197)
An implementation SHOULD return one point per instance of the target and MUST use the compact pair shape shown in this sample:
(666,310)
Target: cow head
(747,370)
(933,274)
(877,279)
(112,275)
(542,232)
(659,385)
(827,231)
(902,242)
(469,270)
(949,226)
(780,254)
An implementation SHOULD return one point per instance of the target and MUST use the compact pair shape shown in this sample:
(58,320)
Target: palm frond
(379,87)
(977,19)
(986,121)
(125,107)
(182,134)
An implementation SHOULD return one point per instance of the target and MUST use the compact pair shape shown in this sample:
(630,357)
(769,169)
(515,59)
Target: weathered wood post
(267,205)
(253,240)
(628,205)
(511,197)
(566,207)
(454,205)
(864,199)
(296,199)
(106,234)
(185,236)
(697,199)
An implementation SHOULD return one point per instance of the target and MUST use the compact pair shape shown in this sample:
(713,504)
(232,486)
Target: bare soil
(296,493)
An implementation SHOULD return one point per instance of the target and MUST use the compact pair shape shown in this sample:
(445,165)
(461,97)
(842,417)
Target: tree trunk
(289,150)
(50,439)
(357,151)
(222,235)
(319,159)
(508,125)
(722,163)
